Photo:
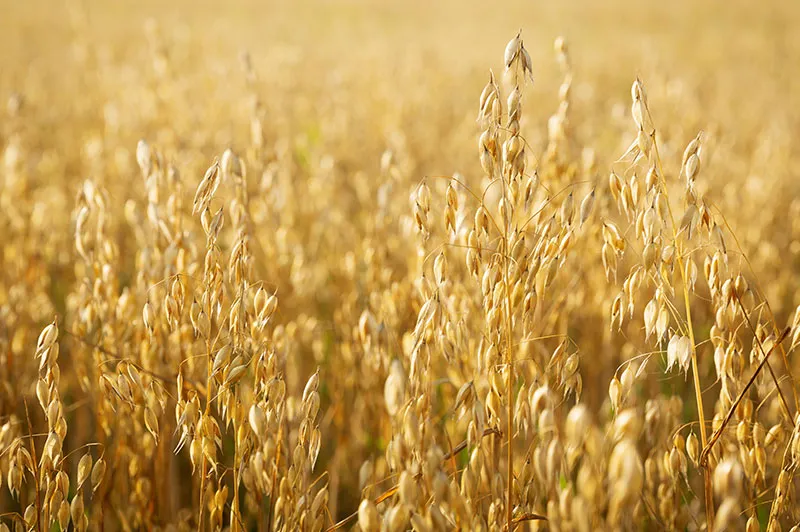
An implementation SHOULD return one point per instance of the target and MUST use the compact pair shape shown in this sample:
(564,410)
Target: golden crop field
(381,265)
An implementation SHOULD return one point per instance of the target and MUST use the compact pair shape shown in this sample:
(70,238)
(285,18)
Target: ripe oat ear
(309,290)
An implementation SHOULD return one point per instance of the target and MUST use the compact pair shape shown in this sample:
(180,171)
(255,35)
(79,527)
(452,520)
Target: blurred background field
(336,85)
(719,54)
(724,66)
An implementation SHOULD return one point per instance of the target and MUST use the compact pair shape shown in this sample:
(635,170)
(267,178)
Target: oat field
(380,265)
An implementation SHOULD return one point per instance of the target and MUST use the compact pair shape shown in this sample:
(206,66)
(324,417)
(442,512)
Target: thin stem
(698,390)
(510,392)
(209,366)
(509,339)
(278,451)
(35,468)
(235,514)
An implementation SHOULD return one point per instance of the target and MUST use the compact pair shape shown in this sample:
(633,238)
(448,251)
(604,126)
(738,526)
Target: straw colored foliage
(426,271)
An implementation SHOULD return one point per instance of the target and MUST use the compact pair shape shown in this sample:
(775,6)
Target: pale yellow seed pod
(407,488)
(148,317)
(53,412)
(637,113)
(691,149)
(740,285)
(206,189)
(47,337)
(222,358)
(258,421)
(98,472)
(76,508)
(627,379)
(177,291)
(451,196)
(62,481)
(488,95)
(626,468)
(144,157)
(311,385)
(230,164)
(151,422)
(643,142)
(466,396)
(368,518)
(759,434)
(424,197)
(420,524)
(693,448)
(615,393)
(171,309)
(43,393)
(260,302)
(774,436)
(742,432)
(124,388)
(396,519)
(84,469)
(512,50)
(63,515)
(727,517)
(728,479)
(272,304)
(203,325)
(440,268)
(54,501)
(482,221)
(31,516)
(320,500)
(568,209)
(587,205)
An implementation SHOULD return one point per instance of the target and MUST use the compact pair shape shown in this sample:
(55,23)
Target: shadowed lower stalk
(509,369)
(510,392)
